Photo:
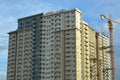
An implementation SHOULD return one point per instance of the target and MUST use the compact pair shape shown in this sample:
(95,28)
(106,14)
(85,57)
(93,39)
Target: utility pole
(110,21)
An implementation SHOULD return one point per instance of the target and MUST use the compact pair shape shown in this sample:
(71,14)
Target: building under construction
(57,46)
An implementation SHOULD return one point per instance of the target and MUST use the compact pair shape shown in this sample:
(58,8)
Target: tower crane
(110,24)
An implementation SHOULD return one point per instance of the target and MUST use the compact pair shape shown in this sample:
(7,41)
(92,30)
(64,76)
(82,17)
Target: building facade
(53,46)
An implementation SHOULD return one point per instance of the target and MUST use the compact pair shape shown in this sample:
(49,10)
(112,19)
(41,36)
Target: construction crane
(110,21)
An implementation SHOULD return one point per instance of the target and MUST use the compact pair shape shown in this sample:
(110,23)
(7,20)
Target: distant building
(54,46)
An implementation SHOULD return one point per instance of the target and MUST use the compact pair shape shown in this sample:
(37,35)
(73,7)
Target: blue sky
(11,10)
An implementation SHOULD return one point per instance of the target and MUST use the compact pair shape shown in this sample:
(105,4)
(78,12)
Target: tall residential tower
(53,46)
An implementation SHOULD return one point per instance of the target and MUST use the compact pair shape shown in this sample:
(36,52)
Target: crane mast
(110,21)
(112,48)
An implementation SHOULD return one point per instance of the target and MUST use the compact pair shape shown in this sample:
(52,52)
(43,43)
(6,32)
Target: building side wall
(78,54)
(11,67)
(85,69)
(24,59)
(93,57)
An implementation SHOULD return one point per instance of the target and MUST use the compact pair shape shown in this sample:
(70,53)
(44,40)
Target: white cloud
(2,75)
(2,67)
(116,24)
(3,47)
(8,18)
(7,24)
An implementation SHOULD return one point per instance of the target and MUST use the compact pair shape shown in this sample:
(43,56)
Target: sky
(12,10)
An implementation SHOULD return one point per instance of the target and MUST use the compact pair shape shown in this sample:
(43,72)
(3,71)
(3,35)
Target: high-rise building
(53,46)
